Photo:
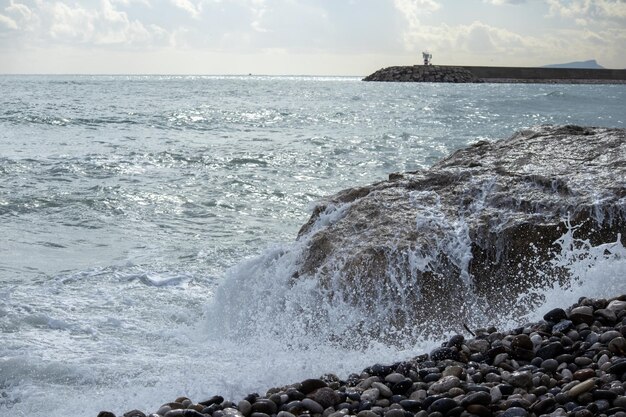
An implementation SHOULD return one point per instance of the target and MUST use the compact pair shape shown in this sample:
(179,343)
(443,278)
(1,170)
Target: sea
(133,207)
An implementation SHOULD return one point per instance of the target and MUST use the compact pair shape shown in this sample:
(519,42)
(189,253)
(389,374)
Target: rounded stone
(479,410)
(581,388)
(550,365)
(402,387)
(453,370)
(522,379)
(620,401)
(384,390)
(606,337)
(444,384)
(551,350)
(394,413)
(312,406)
(544,406)
(411,405)
(555,315)
(515,412)
(617,368)
(394,377)
(618,346)
(443,353)
(442,405)
(244,407)
(582,314)
(310,385)
(371,395)
(584,374)
(326,397)
(479,397)
(263,405)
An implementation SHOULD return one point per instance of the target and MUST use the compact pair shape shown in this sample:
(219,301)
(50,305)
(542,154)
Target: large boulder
(442,246)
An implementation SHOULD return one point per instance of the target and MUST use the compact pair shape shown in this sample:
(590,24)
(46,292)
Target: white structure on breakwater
(427,57)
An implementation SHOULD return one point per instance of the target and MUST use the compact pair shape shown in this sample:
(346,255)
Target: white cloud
(590,9)
(188,6)
(502,2)
(7,22)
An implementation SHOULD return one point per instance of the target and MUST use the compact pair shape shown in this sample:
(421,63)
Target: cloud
(589,9)
(7,22)
(188,6)
(95,23)
(502,2)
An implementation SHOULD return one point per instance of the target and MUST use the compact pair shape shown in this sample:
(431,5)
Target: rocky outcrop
(424,73)
(472,233)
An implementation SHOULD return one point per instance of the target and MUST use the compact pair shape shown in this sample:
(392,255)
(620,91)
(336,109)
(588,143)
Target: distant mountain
(591,64)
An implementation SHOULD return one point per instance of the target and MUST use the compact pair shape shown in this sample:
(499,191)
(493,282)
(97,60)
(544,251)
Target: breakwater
(470,74)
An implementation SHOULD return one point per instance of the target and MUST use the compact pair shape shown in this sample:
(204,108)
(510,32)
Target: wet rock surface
(479,226)
(585,378)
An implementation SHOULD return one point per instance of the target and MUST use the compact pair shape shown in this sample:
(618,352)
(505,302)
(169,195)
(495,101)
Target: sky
(308,37)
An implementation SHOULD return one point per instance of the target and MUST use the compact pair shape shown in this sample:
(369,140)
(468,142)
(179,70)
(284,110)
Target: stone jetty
(473,74)
(424,73)
(571,363)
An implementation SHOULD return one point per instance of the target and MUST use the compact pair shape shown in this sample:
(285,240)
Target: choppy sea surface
(129,205)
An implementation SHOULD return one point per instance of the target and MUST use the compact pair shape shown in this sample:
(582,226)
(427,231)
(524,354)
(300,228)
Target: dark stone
(604,394)
(583,374)
(479,397)
(495,351)
(379,370)
(582,314)
(312,406)
(443,353)
(506,389)
(294,407)
(515,412)
(550,365)
(544,406)
(263,405)
(134,413)
(432,377)
(555,315)
(618,368)
(550,350)
(309,385)
(402,387)
(411,405)
(456,341)
(192,413)
(479,410)
(442,405)
(522,341)
(563,326)
(217,399)
(326,397)
(394,413)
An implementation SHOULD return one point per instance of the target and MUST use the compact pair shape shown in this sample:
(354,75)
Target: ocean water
(137,211)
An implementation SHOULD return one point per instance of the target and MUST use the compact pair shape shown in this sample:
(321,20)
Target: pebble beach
(571,363)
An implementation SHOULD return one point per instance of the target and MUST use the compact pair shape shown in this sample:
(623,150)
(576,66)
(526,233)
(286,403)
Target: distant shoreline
(468,74)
